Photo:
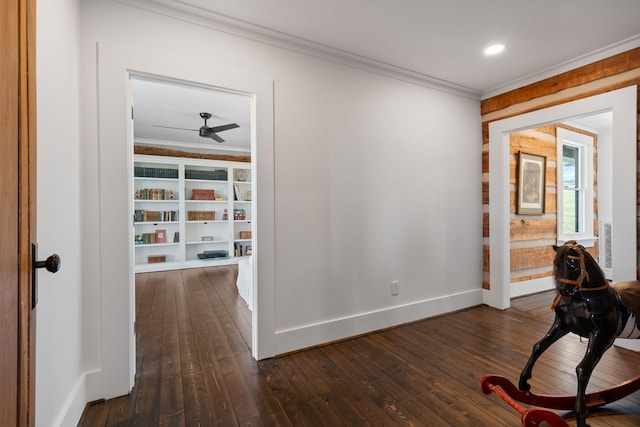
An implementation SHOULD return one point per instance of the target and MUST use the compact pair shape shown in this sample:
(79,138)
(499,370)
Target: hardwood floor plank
(339,393)
(194,366)
(376,385)
(195,400)
(223,281)
(171,390)
(230,343)
(283,386)
(148,394)
(206,338)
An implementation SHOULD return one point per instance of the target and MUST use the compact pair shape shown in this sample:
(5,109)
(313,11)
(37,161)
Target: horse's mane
(560,270)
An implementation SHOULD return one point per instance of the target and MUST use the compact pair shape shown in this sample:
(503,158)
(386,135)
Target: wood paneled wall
(532,235)
(531,260)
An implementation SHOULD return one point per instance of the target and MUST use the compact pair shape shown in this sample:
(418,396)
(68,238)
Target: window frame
(585,145)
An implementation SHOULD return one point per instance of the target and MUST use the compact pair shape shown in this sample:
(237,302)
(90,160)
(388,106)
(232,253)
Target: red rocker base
(535,416)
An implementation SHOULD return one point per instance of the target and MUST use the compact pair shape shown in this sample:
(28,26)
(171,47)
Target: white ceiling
(438,41)
(159,104)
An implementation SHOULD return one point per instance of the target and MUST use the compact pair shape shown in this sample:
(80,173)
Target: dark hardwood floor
(194,366)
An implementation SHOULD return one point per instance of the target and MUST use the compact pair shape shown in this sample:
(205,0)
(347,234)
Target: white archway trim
(623,104)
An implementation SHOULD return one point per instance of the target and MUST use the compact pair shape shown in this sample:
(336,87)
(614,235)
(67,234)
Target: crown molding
(600,54)
(180,10)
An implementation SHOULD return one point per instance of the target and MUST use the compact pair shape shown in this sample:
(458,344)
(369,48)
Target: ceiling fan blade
(171,127)
(216,137)
(223,127)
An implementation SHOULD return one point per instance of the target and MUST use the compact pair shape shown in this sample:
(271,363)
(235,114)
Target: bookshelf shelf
(192,205)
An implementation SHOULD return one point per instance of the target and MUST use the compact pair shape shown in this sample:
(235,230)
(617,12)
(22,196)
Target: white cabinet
(190,212)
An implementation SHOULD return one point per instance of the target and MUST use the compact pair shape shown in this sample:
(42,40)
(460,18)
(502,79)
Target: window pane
(570,211)
(570,165)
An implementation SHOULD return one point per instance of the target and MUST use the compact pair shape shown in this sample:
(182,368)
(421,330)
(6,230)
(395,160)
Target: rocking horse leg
(598,344)
(553,335)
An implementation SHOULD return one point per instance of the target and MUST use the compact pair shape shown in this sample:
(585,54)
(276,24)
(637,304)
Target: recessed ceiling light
(494,49)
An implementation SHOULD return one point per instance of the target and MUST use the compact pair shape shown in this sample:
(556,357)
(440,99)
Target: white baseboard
(628,344)
(72,409)
(94,385)
(336,329)
(527,287)
(77,400)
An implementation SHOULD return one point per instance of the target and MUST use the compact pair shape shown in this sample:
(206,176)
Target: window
(575,187)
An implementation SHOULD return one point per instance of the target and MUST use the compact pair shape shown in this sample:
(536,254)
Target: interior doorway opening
(193,179)
(562,215)
(622,103)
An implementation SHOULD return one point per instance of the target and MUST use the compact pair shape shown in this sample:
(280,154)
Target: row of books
(158,236)
(150,238)
(147,172)
(239,214)
(155,194)
(242,249)
(211,175)
(201,215)
(142,215)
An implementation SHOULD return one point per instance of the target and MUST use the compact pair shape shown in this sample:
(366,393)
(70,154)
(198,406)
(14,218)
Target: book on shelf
(152,172)
(201,215)
(152,259)
(202,194)
(154,194)
(239,214)
(145,238)
(161,236)
(209,175)
(142,215)
(158,236)
(215,254)
(241,249)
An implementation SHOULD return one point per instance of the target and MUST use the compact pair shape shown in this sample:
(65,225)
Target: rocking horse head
(575,269)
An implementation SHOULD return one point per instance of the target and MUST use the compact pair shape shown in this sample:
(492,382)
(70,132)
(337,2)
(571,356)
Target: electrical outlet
(395,287)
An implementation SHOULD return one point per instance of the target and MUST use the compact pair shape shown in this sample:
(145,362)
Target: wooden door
(17,211)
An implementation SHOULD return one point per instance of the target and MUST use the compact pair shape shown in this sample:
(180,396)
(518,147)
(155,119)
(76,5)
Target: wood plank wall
(532,235)
(609,74)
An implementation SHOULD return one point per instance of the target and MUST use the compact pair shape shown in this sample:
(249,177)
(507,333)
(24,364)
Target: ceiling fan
(206,131)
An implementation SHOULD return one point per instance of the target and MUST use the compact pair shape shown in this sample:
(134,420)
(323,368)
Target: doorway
(201,139)
(622,103)
(113,205)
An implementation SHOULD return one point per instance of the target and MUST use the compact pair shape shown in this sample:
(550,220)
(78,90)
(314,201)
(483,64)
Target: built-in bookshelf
(190,212)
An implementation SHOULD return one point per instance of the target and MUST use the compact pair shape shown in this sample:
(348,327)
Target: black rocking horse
(586,305)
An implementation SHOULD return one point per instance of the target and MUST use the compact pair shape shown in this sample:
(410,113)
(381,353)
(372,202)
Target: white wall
(60,397)
(376,179)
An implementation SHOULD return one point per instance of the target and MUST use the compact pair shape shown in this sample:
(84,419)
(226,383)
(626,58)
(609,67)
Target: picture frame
(530,196)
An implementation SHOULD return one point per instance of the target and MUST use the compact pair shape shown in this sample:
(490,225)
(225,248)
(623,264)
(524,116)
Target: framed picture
(531,184)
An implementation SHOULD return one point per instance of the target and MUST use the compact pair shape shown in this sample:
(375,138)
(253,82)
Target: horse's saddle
(630,296)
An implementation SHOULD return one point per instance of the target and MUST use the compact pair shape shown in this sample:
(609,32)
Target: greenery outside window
(575,187)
